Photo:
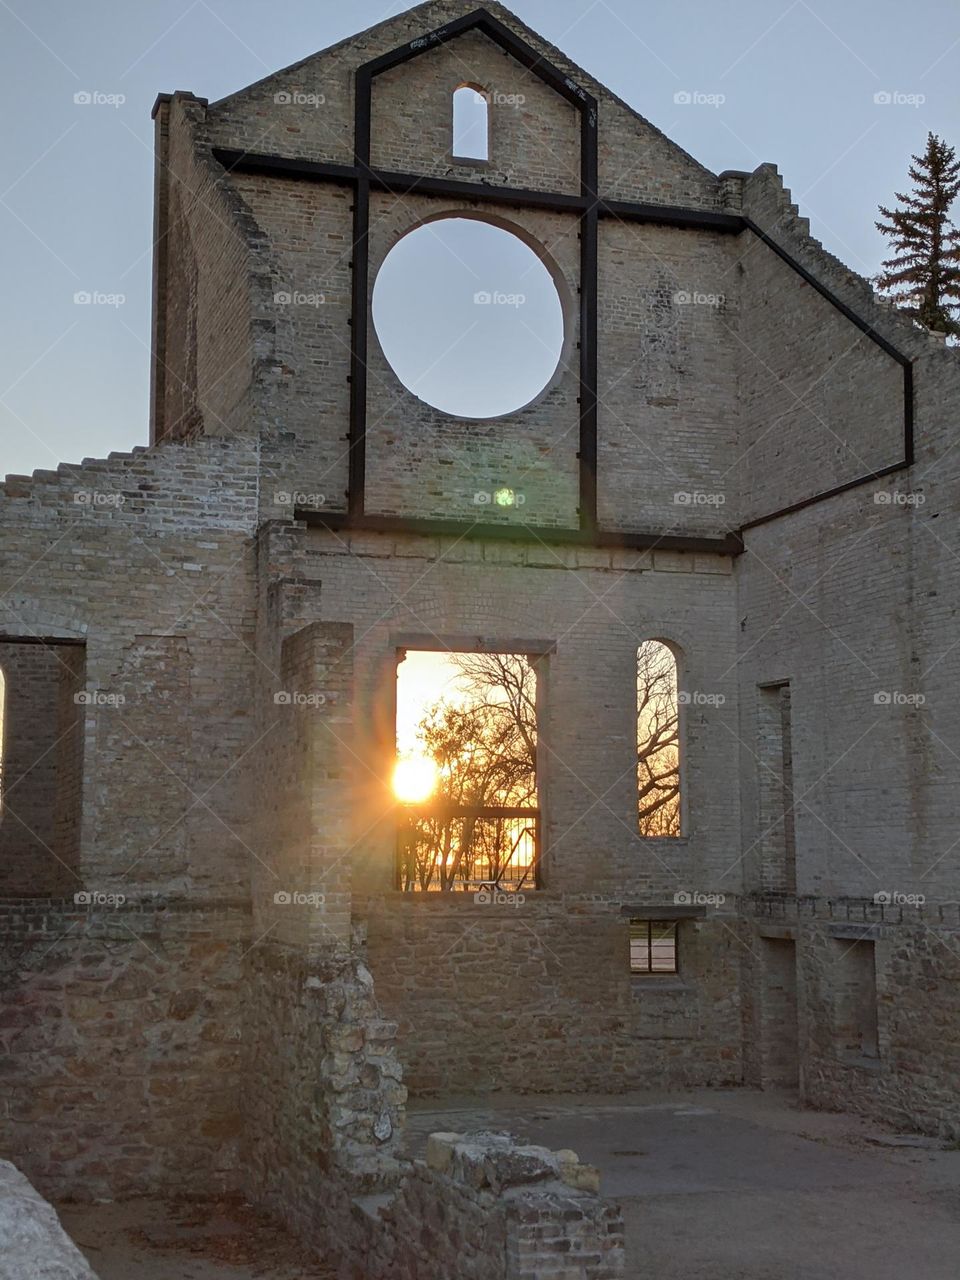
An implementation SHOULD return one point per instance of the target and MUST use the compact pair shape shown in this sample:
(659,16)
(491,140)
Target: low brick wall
(485,1207)
(32,1242)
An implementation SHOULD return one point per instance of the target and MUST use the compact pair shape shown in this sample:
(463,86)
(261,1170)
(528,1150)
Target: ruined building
(212,976)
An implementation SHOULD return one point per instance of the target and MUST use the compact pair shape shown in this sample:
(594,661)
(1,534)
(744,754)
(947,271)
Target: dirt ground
(714,1184)
(148,1239)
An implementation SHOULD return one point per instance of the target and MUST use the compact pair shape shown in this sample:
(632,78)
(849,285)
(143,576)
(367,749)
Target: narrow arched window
(658,740)
(471,123)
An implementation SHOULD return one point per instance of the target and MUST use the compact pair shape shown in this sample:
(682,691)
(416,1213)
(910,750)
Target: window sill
(462,899)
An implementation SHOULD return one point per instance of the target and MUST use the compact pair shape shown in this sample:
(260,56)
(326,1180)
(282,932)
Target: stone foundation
(485,1207)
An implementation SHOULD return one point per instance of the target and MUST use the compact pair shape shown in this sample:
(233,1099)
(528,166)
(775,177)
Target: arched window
(658,740)
(471,123)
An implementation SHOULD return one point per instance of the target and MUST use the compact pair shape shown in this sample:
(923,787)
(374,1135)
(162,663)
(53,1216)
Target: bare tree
(658,741)
(484,747)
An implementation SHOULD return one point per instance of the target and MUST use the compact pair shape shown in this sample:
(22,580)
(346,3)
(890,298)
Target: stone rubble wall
(486,1207)
(120,1045)
(911,1081)
(323,1094)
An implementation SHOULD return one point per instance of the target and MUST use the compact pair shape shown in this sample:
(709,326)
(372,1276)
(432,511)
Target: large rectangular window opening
(465,778)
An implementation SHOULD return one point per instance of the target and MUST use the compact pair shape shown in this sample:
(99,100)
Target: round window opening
(469,317)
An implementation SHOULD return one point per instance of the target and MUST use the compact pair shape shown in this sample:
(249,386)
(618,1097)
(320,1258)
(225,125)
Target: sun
(414,779)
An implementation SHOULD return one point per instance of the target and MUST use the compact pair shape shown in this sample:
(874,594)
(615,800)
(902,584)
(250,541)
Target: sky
(424,678)
(788,81)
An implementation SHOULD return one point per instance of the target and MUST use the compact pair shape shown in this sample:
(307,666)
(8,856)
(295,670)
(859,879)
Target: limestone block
(32,1241)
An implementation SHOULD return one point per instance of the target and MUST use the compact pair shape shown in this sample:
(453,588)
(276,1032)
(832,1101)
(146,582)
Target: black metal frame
(589,208)
(492,812)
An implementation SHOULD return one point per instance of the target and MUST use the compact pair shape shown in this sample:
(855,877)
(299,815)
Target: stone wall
(876,1010)
(120,1021)
(549,999)
(484,1207)
(234,843)
(120,1039)
(323,1095)
(539,997)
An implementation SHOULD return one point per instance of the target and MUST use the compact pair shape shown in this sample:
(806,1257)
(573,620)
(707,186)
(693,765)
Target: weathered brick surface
(41,767)
(121,1026)
(135,1037)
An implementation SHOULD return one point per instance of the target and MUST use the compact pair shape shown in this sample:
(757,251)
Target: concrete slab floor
(741,1185)
(150,1239)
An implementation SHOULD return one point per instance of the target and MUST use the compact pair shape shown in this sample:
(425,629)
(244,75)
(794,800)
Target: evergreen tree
(923,273)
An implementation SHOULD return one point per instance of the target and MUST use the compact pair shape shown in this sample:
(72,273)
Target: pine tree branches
(922,275)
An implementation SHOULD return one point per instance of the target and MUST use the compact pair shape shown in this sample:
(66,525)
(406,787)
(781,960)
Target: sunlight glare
(414,779)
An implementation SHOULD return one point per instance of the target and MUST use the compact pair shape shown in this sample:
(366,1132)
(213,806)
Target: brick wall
(202,330)
(120,1019)
(42,767)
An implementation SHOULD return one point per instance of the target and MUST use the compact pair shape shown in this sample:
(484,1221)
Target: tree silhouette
(658,741)
(485,749)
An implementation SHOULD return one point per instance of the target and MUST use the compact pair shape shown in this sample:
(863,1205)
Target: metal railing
(463,848)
